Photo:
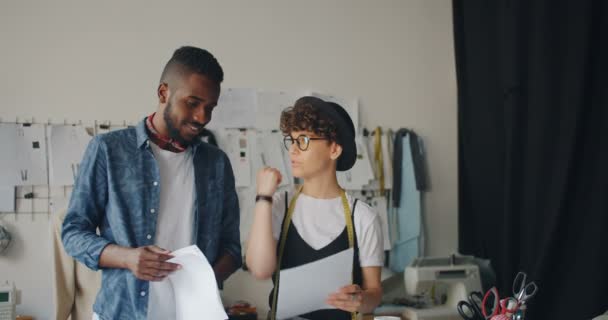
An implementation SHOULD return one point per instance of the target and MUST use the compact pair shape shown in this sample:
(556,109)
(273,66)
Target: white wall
(102,61)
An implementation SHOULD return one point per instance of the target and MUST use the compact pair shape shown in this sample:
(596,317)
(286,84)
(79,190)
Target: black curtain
(533,147)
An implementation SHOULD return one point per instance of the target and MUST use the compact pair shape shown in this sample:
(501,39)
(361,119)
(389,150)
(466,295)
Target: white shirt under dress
(321,221)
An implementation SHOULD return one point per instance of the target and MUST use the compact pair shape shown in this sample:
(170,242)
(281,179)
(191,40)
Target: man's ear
(163,93)
(335,151)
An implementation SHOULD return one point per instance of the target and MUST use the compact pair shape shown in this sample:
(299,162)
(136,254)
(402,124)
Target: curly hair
(305,116)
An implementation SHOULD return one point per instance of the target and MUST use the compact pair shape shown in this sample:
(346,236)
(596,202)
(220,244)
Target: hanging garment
(409,180)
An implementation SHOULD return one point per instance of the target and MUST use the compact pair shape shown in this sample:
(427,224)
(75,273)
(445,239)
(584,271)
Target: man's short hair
(187,60)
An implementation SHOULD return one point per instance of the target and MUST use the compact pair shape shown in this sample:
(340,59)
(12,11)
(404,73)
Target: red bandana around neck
(163,142)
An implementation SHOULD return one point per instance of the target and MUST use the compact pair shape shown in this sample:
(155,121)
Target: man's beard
(173,130)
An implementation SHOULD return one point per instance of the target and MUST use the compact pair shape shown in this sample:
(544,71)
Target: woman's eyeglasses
(302,141)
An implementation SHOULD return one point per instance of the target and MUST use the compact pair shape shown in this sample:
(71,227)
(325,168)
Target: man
(153,189)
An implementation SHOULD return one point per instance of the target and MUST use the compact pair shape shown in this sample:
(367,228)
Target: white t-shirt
(321,221)
(175,221)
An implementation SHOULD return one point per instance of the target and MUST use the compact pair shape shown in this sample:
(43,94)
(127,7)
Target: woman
(317,219)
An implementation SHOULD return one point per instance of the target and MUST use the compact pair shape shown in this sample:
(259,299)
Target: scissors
(523,291)
(504,308)
(471,310)
(494,306)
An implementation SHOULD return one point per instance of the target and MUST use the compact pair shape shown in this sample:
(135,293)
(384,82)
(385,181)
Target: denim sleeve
(87,207)
(230,234)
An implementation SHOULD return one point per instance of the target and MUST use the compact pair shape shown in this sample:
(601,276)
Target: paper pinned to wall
(236,108)
(195,287)
(271,104)
(368,142)
(67,145)
(26,155)
(8,157)
(7,199)
(236,144)
(350,105)
(31,155)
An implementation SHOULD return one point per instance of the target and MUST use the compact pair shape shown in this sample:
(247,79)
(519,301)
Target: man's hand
(149,263)
(223,268)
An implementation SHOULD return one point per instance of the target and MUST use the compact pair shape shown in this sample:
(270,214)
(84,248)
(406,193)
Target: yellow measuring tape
(378,157)
(287,222)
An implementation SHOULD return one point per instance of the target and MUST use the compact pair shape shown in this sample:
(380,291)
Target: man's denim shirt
(118,190)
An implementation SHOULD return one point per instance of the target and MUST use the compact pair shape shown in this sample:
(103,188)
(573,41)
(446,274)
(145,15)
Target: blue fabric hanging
(406,212)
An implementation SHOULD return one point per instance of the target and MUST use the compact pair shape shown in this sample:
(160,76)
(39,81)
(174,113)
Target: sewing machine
(7,302)
(443,282)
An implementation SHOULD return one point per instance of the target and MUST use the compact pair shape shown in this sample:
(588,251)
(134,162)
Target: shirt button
(152,210)
(155,183)
(143,293)
(149,237)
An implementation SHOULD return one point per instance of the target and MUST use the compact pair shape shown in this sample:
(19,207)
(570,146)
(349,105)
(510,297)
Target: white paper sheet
(8,157)
(271,104)
(7,199)
(236,108)
(305,288)
(31,155)
(66,147)
(195,287)
(236,143)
